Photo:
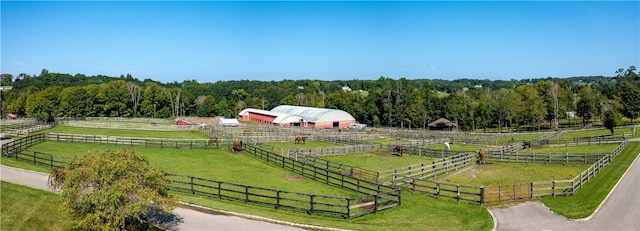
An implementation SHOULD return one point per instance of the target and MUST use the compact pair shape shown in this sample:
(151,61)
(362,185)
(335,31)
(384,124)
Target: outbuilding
(228,122)
(443,124)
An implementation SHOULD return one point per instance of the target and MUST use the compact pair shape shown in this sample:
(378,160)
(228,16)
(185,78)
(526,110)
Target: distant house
(443,124)
(11,116)
(228,122)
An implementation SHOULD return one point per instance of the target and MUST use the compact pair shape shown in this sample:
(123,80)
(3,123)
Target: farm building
(297,116)
(12,116)
(443,124)
(228,122)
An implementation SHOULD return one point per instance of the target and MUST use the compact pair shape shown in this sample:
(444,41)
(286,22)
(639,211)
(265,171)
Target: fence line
(375,198)
(145,142)
(402,175)
(296,153)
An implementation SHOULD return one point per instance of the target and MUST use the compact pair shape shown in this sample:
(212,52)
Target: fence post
(246,194)
(438,190)
(531,190)
(553,188)
(458,192)
(349,207)
(311,204)
(192,191)
(481,195)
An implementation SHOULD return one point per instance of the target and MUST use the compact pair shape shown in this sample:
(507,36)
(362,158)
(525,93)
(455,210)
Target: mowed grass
(281,148)
(190,134)
(499,173)
(25,208)
(417,212)
(215,164)
(457,147)
(379,161)
(516,138)
(590,133)
(588,198)
(603,148)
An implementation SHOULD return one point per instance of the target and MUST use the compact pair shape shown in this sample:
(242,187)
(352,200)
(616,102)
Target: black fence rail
(143,142)
(310,203)
(17,145)
(319,173)
(374,200)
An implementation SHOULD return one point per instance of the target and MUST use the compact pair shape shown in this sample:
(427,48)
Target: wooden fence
(133,126)
(458,192)
(296,153)
(375,198)
(311,203)
(24,131)
(403,175)
(547,158)
(423,151)
(144,142)
(497,194)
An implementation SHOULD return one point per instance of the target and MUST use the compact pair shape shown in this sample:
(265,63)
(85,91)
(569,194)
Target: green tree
(112,190)
(531,109)
(586,107)
(628,88)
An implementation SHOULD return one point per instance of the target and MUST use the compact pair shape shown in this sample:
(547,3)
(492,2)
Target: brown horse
(481,154)
(526,145)
(302,139)
(237,146)
(433,136)
(212,140)
(398,149)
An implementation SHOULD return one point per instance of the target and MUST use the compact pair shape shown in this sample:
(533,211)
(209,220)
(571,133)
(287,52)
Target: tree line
(472,104)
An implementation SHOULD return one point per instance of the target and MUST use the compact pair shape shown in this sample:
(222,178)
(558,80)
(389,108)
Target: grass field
(604,148)
(499,173)
(25,208)
(378,161)
(211,164)
(590,133)
(588,198)
(192,134)
(457,147)
(516,138)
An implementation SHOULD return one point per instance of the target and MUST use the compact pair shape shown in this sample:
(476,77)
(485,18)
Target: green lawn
(604,148)
(588,198)
(378,161)
(500,173)
(417,212)
(25,208)
(457,147)
(590,133)
(211,164)
(192,134)
(517,138)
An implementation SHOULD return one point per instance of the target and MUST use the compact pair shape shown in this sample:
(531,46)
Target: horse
(237,146)
(446,145)
(433,136)
(212,140)
(398,149)
(302,139)
(526,144)
(481,154)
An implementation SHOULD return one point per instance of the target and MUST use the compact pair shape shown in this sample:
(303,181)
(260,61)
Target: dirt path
(619,211)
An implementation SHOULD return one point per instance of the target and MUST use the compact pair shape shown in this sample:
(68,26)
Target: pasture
(378,161)
(187,134)
(216,164)
(590,133)
(603,148)
(457,147)
(500,173)
(25,208)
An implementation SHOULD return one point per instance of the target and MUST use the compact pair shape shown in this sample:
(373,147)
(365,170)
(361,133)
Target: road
(619,211)
(188,219)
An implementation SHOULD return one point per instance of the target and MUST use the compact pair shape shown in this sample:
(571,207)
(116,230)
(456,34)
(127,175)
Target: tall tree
(135,92)
(586,107)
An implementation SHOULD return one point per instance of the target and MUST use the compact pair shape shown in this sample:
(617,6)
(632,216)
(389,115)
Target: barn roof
(279,117)
(442,122)
(313,114)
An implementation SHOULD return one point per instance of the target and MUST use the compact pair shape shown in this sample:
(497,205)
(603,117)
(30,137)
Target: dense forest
(472,104)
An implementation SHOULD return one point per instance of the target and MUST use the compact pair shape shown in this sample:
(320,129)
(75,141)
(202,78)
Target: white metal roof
(280,117)
(313,114)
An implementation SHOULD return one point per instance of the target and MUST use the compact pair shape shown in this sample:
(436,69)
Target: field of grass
(25,208)
(457,147)
(192,134)
(603,148)
(517,138)
(510,173)
(588,198)
(417,212)
(590,133)
(211,164)
(378,161)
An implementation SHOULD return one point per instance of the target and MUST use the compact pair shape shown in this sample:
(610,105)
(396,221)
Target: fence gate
(364,174)
(498,194)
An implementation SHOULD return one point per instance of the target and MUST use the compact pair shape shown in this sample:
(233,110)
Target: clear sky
(211,41)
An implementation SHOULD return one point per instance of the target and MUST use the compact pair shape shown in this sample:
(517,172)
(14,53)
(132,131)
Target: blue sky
(211,41)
